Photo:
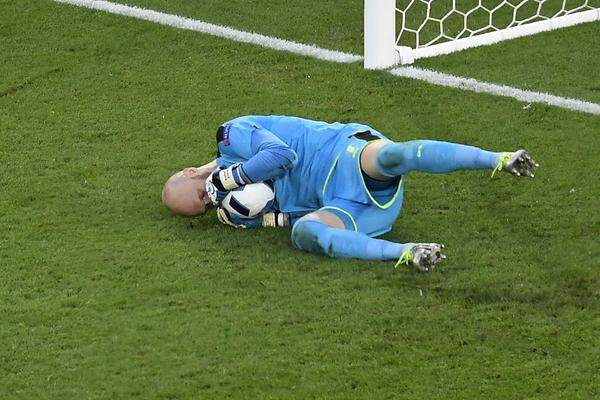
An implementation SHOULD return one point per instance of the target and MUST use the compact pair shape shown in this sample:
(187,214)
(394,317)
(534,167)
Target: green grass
(106,295)
(333,24)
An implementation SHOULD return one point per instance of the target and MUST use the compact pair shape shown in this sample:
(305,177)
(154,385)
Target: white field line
(215,30)
(438,78)
(435,78)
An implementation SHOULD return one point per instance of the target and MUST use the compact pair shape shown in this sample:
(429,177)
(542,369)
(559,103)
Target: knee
(390,156)
(307,235)
(397,159)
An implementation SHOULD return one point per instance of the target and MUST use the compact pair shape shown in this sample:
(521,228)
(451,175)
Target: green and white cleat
(518,163)
(424,256)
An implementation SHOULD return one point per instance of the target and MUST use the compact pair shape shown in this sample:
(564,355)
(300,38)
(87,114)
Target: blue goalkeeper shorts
(346,193)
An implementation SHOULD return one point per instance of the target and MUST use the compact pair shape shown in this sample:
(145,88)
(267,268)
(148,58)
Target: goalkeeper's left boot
(424,256)
(518,163)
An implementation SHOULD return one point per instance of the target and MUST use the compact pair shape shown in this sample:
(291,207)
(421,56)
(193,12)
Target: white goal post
(401,31)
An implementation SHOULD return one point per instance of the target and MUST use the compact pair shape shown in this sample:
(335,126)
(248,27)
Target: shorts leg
(362,217)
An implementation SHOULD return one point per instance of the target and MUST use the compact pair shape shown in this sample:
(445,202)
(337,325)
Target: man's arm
(262,156)
(210,166)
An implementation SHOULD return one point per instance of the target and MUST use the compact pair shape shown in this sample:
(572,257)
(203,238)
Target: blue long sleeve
(316,237)
(272,157)
(431,156)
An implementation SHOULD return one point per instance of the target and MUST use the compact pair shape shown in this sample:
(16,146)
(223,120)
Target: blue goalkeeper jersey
(316,145)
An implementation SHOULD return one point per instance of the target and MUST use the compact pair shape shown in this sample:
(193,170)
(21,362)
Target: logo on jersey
(352,150)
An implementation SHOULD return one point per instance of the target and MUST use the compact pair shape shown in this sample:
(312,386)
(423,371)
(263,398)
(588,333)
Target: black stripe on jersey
(366,136)
(219,138)
(220,133)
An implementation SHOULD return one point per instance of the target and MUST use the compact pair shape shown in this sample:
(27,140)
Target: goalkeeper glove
(220,182)
(273,219)
(229,178)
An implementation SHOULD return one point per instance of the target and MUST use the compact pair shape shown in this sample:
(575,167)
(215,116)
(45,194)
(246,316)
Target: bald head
(185,194)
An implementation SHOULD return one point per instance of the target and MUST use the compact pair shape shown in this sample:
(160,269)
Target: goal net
(400,31)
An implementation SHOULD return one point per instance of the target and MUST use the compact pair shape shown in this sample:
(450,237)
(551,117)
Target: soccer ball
(249,200)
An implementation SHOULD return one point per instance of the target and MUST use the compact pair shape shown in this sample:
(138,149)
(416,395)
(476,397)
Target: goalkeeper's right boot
(424,256)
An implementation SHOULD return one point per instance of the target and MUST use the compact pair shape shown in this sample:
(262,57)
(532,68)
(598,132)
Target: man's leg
(325,232)
(385,160)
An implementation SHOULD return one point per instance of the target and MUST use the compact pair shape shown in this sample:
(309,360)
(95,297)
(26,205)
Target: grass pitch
(106,295)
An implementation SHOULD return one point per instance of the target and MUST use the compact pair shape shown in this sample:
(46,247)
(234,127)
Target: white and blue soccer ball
(249,200)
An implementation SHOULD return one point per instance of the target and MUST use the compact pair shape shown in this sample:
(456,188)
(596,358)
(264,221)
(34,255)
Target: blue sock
(431,156)
(316,237)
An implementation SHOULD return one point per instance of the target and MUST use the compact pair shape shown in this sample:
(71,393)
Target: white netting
(422,23)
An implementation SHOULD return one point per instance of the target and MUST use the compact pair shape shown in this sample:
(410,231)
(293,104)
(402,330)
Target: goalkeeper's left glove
(273,219)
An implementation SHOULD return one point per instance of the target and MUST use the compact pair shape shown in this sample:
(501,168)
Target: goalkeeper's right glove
(220,182)
(230,178)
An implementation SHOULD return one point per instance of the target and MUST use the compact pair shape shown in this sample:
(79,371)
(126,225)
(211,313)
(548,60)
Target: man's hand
(216,196)
(229,178)
(424,256)
(232,220)
(274,219)
(518,163)
(223,181)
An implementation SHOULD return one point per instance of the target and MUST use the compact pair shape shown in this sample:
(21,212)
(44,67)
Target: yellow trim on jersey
(343,212)
(329,175)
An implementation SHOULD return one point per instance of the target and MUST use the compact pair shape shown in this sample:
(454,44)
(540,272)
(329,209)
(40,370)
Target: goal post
(380,34)
(401,31)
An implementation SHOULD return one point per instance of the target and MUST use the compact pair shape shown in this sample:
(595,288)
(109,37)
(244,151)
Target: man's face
(185,192)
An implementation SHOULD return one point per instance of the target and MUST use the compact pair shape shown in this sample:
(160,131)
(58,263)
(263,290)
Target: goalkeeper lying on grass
(337,185)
